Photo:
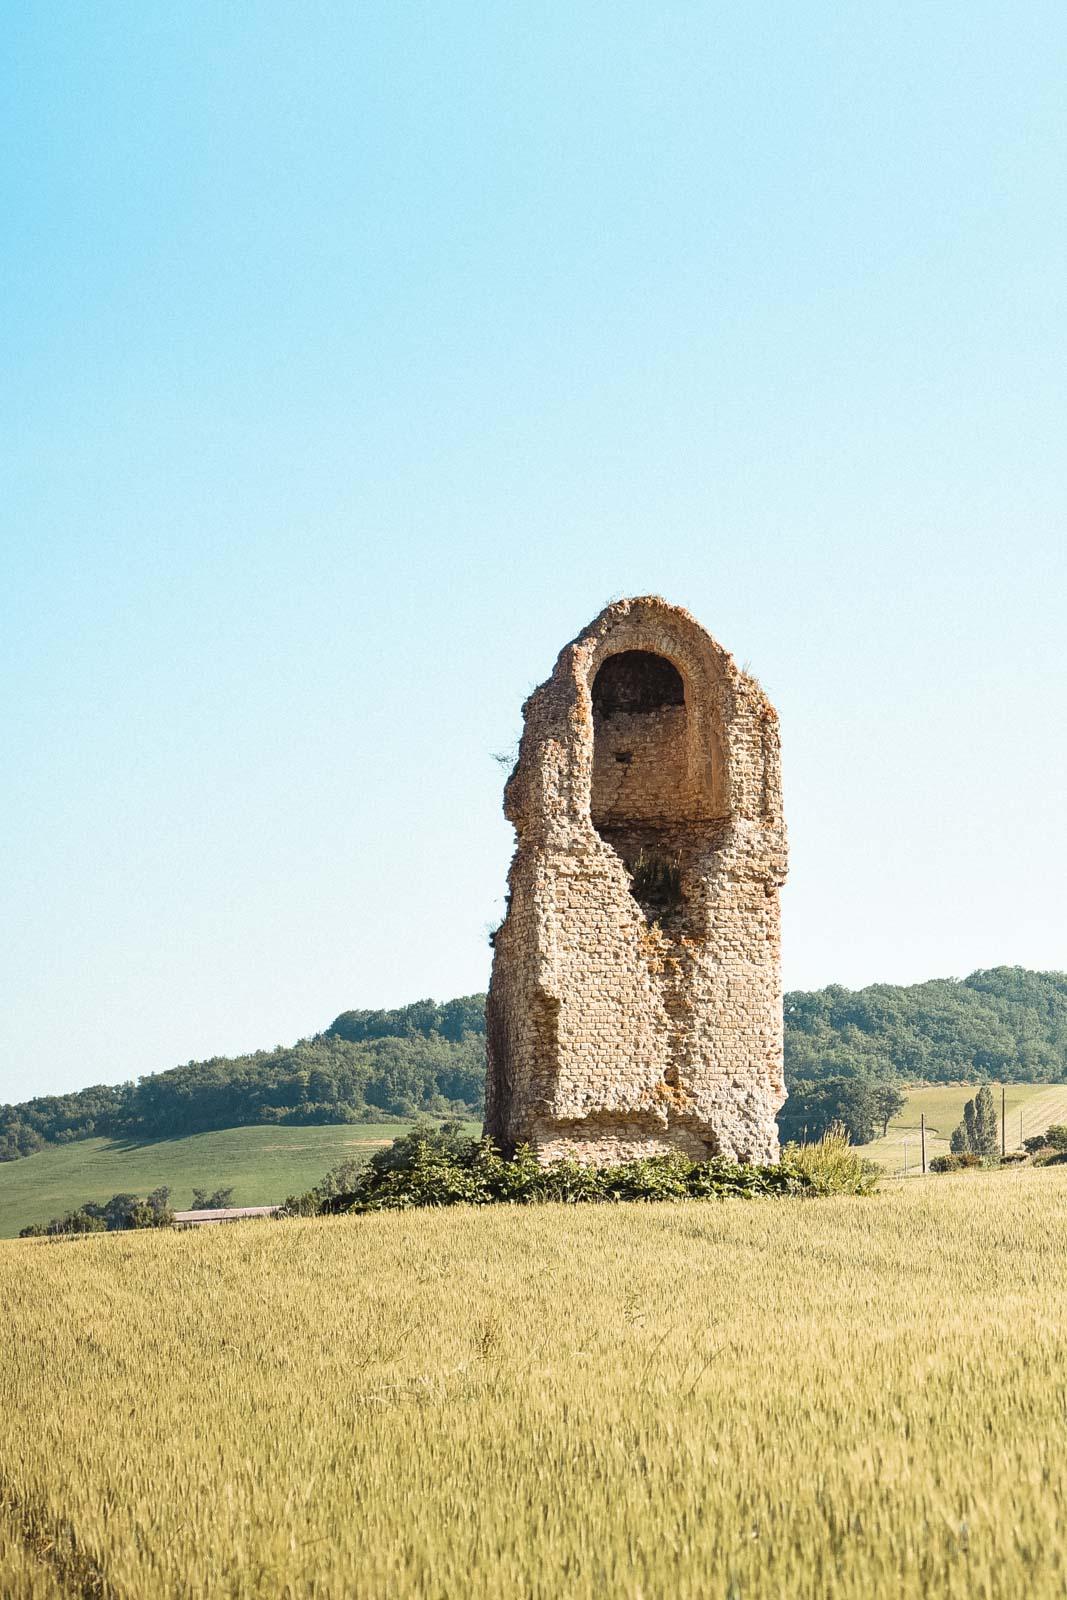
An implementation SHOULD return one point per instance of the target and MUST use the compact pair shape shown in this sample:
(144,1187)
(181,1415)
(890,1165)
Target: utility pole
(1003,1123)
(922,1137)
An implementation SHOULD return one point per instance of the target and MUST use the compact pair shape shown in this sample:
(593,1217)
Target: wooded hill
(1007,1025)
(1004,1025)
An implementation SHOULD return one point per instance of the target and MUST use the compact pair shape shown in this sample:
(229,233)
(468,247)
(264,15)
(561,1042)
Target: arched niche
(641,735)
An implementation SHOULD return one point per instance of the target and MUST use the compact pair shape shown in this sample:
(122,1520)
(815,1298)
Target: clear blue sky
(355,355)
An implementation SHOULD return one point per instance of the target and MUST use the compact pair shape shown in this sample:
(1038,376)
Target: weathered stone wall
(635,1003)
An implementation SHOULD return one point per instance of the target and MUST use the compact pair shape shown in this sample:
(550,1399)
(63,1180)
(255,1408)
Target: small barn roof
(198,1219)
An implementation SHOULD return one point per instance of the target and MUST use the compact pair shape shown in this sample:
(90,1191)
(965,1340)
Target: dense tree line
(845,1049)
(1007,1025)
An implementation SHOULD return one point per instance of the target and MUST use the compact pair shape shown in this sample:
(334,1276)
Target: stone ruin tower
(635,1005)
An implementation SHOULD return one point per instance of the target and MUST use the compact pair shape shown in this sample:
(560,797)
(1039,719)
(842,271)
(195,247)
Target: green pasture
(263,1165)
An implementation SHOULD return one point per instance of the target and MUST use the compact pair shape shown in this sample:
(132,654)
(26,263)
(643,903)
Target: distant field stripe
(1038,1114)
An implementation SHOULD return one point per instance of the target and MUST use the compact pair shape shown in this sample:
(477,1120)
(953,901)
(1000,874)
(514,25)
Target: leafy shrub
(443,1167)
(958,1161)
(338,1184)
(83,1221)
(1045,1149)
(1049,1156)
(145,1215)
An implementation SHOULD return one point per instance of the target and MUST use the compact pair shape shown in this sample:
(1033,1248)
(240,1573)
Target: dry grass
(24,1575)
(833,1166)
(855,1398)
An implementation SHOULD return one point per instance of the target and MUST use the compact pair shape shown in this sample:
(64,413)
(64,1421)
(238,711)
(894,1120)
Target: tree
(977,1133)
(213,1200)
(813,1108)
(77,1222)
(147,1215)
(985,1123)
(887,1101)
(116,1211)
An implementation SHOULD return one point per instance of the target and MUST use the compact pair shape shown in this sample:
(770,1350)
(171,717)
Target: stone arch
(663,685)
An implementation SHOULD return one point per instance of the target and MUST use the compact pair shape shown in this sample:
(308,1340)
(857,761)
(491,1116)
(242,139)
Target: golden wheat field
(840,1397)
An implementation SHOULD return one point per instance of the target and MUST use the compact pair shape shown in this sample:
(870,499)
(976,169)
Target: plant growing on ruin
(656,882)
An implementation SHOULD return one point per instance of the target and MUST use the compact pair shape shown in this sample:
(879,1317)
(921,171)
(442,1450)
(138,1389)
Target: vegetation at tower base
(1006,1025)
(445,1167)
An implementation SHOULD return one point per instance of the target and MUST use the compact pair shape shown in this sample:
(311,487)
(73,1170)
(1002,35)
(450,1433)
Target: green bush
(444,1167)
(145,1215)
(1049,1156)
(83,1221)
(957,1162)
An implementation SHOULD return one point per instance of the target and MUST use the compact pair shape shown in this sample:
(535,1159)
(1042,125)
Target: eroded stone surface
(635,1004)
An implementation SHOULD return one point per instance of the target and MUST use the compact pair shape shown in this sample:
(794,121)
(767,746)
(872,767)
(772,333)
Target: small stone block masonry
(636,1006)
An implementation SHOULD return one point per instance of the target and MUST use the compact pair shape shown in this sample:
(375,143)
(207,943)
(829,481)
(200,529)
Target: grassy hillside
(1031,1108)
(804,1398)
(263,1165)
